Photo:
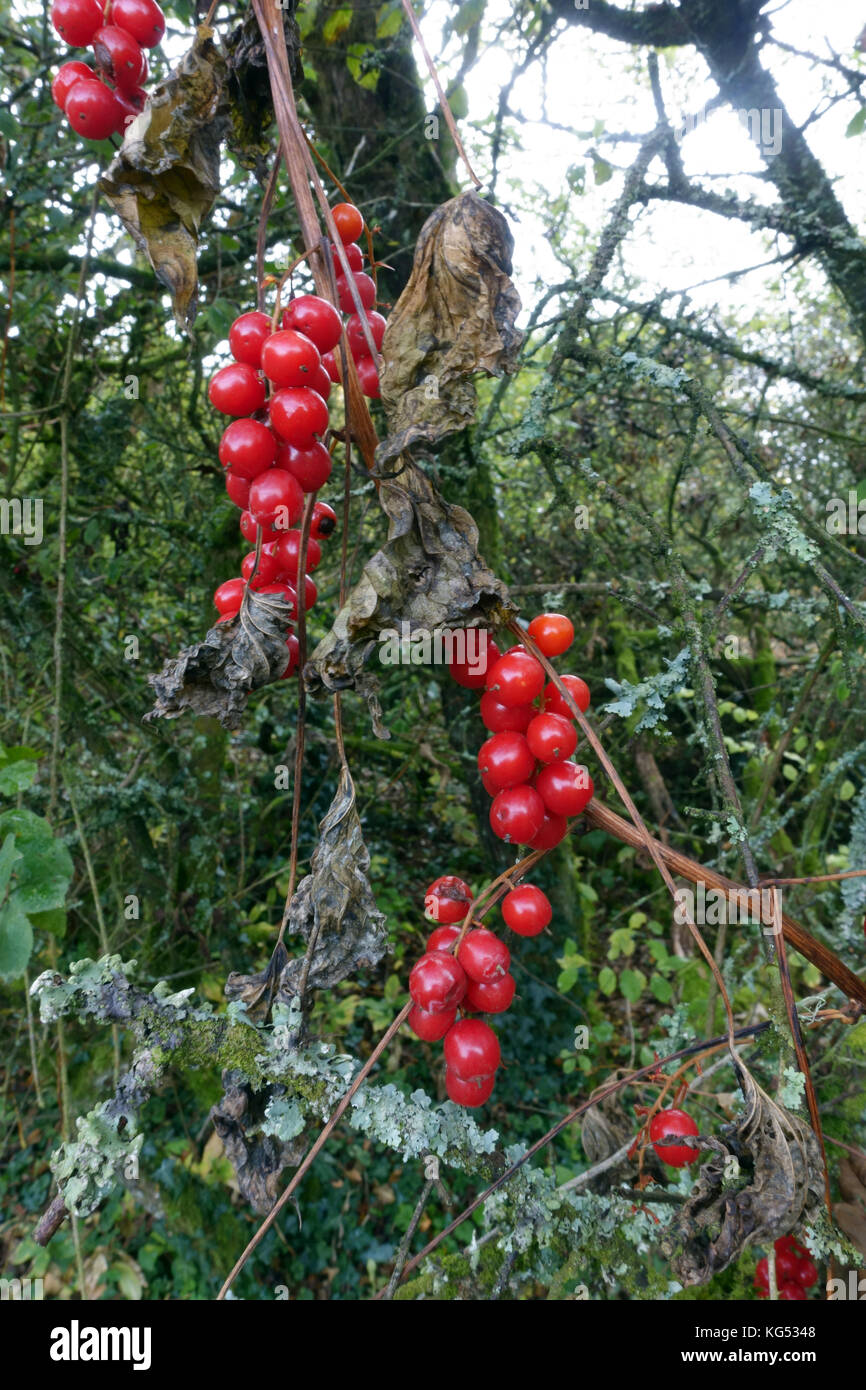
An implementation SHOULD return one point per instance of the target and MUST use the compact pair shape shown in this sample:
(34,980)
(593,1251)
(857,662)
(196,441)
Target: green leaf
(8,855)
(16,940)
(632,984)
(847,790)
(389,20)
(53,921)
(459,102)
(621,943)
(469,13)
(661,988)
(42,875)
(607,980)
(857,123)
(601,170)
(358,57)
(337,24)
(636,920)
(17,769)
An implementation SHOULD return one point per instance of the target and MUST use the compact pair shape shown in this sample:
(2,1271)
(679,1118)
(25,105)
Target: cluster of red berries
(100,103)
(525,764)
(469,972)
(795,1271)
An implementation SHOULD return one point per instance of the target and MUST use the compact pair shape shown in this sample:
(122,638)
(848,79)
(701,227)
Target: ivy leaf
(16,940)
(17,769)
(8,855)
(337,24)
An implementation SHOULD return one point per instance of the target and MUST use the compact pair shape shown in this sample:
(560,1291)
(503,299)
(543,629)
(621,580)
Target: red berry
(357,338)
(443,938)
(229,595)
(236,390)
(565,788)
(500,719)
(430,1027)
(368,377)
(551,738)
(238,490)
(490,996)
(526,910)
(469,1093)
(119,57)
(323,521)
(249,528)
(552,633)
(553,829)
(506,760)
(247,448)
(294,655)
(472,673)
(290,358)
(317,319)
(447,899)
(276,499)
(130,104)
(227,616)
(365,288)
(76,21)
(806,1273)
(92,110)
(329,362)
(673,1124)
(483,956)
(247,337)
(143,19)
(268,571)
(65,79)
(354,257)
(516,678)
(787,1263)
(789,1243)
(517,814)
(577,689)
(762,1275)
(437,982)
(288,554)
(348,221)
(321,382)
(311,464)
(311,593)
(791,1291)
(471,1048)
(298,415)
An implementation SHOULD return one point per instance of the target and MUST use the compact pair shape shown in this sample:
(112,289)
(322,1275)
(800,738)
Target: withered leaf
(605,1126)
(215,676)
(258,991)
(454,318)
(163,180)
(428,574)
(780,1183)
(850,1215)
(258,1159)
(335,903)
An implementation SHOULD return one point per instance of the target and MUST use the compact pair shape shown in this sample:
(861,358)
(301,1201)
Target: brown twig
(443,100)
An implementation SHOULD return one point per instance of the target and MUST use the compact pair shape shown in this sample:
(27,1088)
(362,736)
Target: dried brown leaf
(776,1183)
(258,991)
(215,676)
(258,1159)
(163,180)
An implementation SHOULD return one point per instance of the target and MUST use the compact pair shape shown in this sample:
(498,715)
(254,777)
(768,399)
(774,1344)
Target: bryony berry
(447,899)
(437,982)
(500,719)
(92,110)
(298,414)
(290,358)
(552,633)
(671,1125)
(348,221)
(365,288)
(553,829)
(236,390)
(483,956)
(247,337)
(472,674)
(310,464)
(316,318)
(276,499)
(77,21)
(247,448)
(551,738)
(229,595)
(517,814)
(443,938)
(471,1048)
(490,996)
(526,910)
(357,338)
(430,1027)
(143,19)
(65,79)
(506,760)
(468,1093)
(565,788)
(516,679)
(577,689)
(323,521)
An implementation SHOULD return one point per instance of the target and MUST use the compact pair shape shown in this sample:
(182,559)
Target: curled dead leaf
(164,178)
(257,1158)
(774,1185)
(259,990)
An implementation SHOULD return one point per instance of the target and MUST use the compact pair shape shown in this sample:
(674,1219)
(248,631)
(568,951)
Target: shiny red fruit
(483,956)
(354,257)
(247,337)
(468,1093)
(249,528)
(329,362)
(517,814)
(806,1273)
(348,221)
(553,830)
(368,377)
(276,499)
(356,337)
(526,910)
(92,110)
(516,679)
(229,595)
(76,21)
(130,105)
(238,490)
(447,899)
(119,57)
(506,760)
(316,318)
(552,633)
(490,996)
(501,719)
(365,288)
(268,571)
(65,79)
(551,738)
(437,982)
(298,415)
(790,1243)
(321,382)
(290,358)
(247,448)
(430,1027)
(236,390)
(294,656)
(471,1048)
(577,689)
(288,554)
(443,938)
(323,521)
(673,1124)
(311,464)
(482,653)
(565,788)
(791,1292)
(143,19)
